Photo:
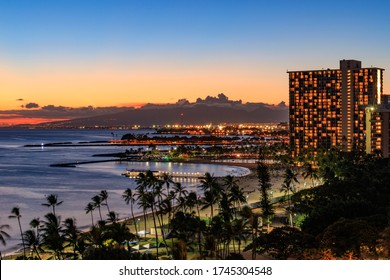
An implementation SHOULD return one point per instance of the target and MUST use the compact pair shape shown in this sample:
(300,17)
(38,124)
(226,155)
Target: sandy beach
(250,185)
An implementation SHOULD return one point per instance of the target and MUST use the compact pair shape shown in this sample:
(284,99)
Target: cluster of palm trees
(225,224)
(168,203)
(45,235)
(170,211)
(215,221)
(56,239)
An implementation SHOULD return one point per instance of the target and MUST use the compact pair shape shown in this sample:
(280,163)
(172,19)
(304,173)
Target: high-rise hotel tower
(327,106)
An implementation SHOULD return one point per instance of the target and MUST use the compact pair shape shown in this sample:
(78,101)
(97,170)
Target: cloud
(31,105)
(57,112)
(220,99)
(55,108)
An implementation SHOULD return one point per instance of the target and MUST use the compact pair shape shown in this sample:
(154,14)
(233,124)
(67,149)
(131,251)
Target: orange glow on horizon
(135,105)
(104,84)
(18,121)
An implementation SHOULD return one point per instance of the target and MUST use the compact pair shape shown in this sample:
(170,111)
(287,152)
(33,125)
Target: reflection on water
(26,177)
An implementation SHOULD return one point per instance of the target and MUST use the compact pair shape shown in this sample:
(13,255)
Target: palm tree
(3,236)
(191,200)
(113,217)
(71,234)
(35,223)
(290,177)
(33,237)
(239,231)
(212,191)
(185,227)
(214,236)
(141,198)
(33,241)
(52,201)
(208,182)
(226,213)
(160,207)
(97,202)
(230,182)
(310,172)
(208,201)
(149,202)
(226,209)
(53,237)
(96,236)
(180,193)
(104,196)
(252,220)
(154,191)
(129,198)
(236,196)
(89,209)
(264,179)
(141,180)
(288,187)
(167,179)
(168,201)
(16,215)
(143,183)
(119,233)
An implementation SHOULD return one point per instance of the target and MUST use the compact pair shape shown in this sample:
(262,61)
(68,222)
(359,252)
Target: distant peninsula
(215,110)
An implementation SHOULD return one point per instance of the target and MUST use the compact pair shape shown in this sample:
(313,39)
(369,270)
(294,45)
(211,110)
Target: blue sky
(183,39)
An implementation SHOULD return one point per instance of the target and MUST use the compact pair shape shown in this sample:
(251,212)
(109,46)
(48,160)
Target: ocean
(26,176)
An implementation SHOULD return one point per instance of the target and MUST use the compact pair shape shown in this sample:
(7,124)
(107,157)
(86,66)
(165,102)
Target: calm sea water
(26,176)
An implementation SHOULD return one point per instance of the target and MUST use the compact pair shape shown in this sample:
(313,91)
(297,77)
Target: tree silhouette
(97,202)
(235,193)
(113,217)
(310,172)
(16,215)
(89,209)
(212,191)
(181,194)
(282,243)
(71,234)
(33,241)
(288,187)
(96,236)
(52,201)
(129,198)
(264,179)
(53,237)
(104,197)
(3,236)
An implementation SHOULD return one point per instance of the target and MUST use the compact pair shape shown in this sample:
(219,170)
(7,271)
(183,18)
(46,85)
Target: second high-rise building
(327,106)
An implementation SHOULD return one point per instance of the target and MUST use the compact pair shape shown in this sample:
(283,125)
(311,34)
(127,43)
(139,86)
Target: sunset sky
(119,53)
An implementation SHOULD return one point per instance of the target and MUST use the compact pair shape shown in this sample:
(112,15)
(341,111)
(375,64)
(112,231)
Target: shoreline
(15,249)
(248,182)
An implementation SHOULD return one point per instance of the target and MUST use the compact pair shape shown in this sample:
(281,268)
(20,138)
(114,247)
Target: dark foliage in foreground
(115,254)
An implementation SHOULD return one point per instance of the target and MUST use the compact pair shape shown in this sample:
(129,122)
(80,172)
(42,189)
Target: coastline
(248,182)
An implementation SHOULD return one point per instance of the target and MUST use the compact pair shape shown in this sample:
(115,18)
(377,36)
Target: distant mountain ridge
(210,110)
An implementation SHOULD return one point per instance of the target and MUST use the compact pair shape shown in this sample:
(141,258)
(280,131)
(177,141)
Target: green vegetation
(3,235)
(343,214)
